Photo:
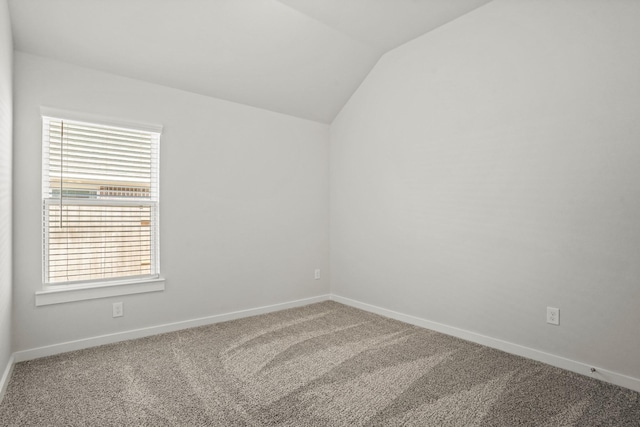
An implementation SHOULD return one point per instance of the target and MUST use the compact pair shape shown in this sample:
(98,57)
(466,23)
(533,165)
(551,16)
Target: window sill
(55,295)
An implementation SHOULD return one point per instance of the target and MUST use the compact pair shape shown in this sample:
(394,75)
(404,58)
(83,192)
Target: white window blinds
(100,202)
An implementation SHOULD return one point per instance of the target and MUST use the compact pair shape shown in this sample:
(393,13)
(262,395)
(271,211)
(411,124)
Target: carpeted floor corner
(324,364)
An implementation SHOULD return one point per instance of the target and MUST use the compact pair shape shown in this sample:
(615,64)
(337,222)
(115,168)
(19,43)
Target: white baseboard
(51,350)
(529,353)
(6,376)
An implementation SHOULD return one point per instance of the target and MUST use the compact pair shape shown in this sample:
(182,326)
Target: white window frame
(85,290)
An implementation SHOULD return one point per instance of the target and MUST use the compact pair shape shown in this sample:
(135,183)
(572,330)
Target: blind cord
(61,165)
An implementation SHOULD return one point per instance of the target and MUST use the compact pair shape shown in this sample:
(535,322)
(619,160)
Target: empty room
(319,212)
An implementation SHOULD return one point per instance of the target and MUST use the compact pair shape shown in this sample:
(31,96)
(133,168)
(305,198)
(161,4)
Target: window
(100,203)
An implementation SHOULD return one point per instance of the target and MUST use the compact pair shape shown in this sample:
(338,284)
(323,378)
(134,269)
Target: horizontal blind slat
(133,151)
(133,257)
(106,130)
(128,157)
(111,274)
(95,133)
(82,250)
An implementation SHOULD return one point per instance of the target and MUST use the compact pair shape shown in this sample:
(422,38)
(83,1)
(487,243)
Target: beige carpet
(320,365)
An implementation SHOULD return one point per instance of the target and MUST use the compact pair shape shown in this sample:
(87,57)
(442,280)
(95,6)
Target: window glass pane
(100,202)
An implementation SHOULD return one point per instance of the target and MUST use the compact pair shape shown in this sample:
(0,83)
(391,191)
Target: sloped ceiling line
(303,58)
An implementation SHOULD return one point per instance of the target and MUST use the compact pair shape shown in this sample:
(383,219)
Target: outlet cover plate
(553,316)
(118,309)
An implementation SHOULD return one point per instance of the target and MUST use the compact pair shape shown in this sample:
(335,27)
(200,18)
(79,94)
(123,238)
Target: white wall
(489,169)
(244,203)
(6,121)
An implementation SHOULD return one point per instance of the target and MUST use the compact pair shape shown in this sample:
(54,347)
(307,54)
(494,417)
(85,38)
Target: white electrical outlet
(553,315)
(316,275)
(118,309)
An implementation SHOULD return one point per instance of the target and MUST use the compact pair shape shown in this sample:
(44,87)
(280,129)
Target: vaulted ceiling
(299,57)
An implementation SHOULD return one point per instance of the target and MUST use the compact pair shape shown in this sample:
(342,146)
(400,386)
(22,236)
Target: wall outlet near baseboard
(316,274)
(553,315)
(118,309)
